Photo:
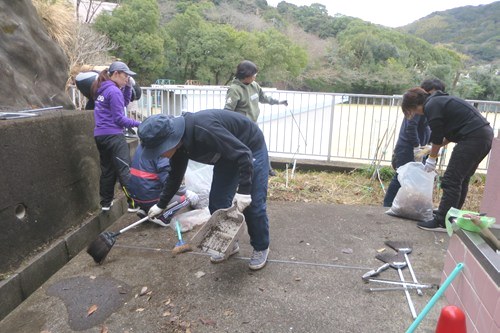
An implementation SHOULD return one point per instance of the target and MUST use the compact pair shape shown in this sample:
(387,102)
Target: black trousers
(464,160)
(115,164)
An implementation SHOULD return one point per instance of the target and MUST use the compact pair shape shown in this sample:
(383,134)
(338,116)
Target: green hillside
(472,30)
(299,47)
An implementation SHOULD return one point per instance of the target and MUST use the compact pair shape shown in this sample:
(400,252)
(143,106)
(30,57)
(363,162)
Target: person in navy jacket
(235,146)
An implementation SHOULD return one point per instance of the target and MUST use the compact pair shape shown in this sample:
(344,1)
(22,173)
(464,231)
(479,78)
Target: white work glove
(430,164)
(130,82)
(192,197)
(242,201)
(155,211)
(284,102)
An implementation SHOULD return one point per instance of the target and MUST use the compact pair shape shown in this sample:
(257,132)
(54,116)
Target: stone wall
(49,178)
(34,68)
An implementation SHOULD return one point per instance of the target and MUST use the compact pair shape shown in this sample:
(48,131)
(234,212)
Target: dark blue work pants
(224,185)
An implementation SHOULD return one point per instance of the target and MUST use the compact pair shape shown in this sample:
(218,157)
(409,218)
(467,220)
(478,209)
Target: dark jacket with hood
(209,137)
(147,177)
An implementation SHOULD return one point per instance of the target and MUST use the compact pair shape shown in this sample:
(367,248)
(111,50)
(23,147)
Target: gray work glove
(430,164)
(155,211)
(242,201)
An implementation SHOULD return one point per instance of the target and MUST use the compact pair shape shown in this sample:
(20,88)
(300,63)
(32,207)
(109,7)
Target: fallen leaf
(199,274)
(166,314)
(347,251)
(92,277)
(167,302)
(228,313)
(139,310)
(91,310)
(184,324)
(149,293)
(298,279)
(381,250)
(208,322)
(143,291)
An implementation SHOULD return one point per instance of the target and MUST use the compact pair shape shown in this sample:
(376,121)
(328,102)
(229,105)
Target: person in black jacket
(451,119)
(235,146)
(414,136)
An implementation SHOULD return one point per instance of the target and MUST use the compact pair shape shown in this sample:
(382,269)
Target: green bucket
(460,222)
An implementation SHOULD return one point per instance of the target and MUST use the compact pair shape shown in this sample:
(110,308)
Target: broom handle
(408,297)
(178,229)
(435,298)
(410,268)
(133,225)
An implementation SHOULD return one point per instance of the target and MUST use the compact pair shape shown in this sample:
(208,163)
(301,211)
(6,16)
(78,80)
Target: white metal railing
(330,127)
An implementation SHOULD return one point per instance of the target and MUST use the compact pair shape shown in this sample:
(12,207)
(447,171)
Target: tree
(135,27)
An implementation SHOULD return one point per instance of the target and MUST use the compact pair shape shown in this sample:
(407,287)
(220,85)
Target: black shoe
(272,173)
(432,225)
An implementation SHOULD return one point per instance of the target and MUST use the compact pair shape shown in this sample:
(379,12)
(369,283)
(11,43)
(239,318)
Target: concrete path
(312,282)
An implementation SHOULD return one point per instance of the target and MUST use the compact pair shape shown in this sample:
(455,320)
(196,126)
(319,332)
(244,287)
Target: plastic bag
(414,198)
(190,219)
(198,178)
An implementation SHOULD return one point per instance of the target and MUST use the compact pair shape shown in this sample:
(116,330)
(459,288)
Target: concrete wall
(49,177)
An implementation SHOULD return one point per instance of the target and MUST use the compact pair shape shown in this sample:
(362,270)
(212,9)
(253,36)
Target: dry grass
(58,18)
(353,188)
(84,47)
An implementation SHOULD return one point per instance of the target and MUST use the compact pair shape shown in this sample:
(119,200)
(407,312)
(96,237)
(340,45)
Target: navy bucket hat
(160,133)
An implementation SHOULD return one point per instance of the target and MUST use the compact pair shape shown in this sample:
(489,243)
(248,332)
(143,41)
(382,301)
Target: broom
(181,246)
(101,246)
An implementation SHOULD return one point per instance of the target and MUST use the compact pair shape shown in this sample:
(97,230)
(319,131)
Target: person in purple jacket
(112,92)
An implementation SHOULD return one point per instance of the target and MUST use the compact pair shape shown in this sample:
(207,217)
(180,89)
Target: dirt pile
(32,65)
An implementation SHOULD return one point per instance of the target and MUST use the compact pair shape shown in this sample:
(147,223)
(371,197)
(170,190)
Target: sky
(390,13)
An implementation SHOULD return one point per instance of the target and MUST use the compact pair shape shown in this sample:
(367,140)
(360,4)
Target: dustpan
(218,235)
(455,220)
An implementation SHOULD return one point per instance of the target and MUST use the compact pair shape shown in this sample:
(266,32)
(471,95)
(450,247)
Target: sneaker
(258,259)
(142,214)
(133,209)
(219,258)
(159,222)
(106,207)
(432,225)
